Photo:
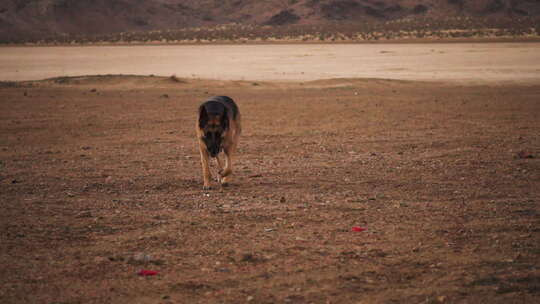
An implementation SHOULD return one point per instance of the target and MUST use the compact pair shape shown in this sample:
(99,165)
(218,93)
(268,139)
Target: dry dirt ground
(100,178)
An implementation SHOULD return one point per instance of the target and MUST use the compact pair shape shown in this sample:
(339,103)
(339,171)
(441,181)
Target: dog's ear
(225,119)
(203,117)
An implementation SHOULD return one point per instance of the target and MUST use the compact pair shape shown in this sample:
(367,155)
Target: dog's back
(212,104)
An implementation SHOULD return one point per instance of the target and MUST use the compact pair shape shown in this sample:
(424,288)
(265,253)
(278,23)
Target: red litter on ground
(358,229)
(144,272)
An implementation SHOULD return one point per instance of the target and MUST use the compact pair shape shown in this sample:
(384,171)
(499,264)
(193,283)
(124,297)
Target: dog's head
(214,123)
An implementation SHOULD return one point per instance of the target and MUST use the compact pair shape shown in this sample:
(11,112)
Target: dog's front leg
(205,166)
(227,171)
(220,168)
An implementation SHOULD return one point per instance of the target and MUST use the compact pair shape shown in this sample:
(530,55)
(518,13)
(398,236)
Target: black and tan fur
(218,129)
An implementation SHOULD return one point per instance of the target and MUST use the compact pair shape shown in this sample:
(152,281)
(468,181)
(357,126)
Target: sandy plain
(464,62)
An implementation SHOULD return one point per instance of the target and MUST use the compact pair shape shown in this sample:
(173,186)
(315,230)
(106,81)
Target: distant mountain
(35,19)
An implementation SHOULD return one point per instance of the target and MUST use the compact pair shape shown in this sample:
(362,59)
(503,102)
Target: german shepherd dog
(218,129)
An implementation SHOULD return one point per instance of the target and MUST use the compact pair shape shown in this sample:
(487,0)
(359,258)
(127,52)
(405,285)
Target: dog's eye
(213,135)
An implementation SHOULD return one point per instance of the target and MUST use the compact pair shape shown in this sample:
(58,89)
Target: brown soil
(100,178)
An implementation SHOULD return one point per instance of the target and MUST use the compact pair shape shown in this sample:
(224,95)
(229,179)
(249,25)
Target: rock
(223,270)
(441,299)
(400,205)
(83,214)
(116,258)
(248,257)
(143,258)
(100,259)
(524,155)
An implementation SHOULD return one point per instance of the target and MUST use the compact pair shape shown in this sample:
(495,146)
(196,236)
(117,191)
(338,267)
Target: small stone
(142,258)
(223,270)
(441,299)
(83,214)
(250,298)
(524,155)
(248,257)
(117,258)
(100,259)
(400,204)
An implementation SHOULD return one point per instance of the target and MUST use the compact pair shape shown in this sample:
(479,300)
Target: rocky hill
(24,20)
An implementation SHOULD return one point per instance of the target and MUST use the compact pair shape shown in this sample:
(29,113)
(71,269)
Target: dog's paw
(224,173)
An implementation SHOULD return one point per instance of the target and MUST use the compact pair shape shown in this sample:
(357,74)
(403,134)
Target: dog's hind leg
(229,151)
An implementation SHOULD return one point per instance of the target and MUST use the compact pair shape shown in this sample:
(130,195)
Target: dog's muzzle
(213,150)
(213,143)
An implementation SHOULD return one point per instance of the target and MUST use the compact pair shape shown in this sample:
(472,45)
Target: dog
(218,130)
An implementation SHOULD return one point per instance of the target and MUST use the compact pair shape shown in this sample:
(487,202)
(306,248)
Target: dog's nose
(213,151)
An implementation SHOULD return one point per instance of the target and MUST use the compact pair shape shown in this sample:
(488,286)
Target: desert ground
(100,178)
